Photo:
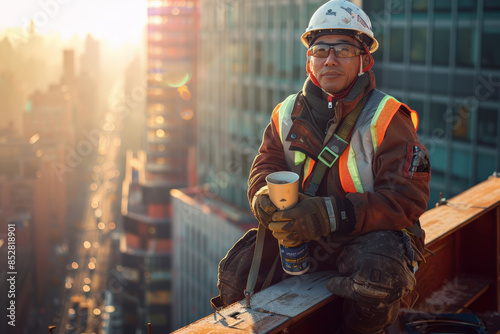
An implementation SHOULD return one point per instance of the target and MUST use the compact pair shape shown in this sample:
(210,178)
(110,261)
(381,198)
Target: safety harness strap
(334,148)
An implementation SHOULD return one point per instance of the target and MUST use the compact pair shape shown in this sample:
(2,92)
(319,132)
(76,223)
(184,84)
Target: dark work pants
(374,273)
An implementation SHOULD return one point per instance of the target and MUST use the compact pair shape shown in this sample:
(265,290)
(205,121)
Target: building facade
(250,60)
(146,251)
(205,227)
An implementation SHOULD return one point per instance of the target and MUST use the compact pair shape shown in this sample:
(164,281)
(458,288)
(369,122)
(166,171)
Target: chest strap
(334,148)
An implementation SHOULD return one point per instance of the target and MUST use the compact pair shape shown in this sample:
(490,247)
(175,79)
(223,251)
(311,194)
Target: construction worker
(364,175)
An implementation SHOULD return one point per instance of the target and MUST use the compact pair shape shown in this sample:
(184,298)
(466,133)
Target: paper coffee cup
(283,189)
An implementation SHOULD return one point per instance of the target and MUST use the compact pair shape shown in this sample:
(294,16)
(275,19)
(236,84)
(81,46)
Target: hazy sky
(113,20)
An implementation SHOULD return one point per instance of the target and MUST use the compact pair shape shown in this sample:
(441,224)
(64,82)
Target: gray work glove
(262,206)
(310,219)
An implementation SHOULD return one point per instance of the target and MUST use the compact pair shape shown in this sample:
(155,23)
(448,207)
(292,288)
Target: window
(397,44)
(377,56)
(459,117)
(485,166)
(441,47)
(487,126)
(418,45)
(437,120)
(467,5)
(465,47)
(491,5)
(438,157)
(489,48)
(460,166)
(373,5)
(419,6)
(442,5)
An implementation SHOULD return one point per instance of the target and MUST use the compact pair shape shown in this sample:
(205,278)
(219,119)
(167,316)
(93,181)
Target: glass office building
(440,57)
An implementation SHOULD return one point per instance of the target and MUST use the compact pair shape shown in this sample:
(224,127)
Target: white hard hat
(340,17)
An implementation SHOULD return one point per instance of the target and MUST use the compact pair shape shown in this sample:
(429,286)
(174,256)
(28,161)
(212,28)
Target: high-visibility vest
(355,163)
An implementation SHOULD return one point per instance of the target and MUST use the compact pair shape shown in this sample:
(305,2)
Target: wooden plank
(445,219)
(295,295)
(272,309)
(235,319)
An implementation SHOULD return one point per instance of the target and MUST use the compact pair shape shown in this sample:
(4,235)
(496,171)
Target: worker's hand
(262,206)
(310,219)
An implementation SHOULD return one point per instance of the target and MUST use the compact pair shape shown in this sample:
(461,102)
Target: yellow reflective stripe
(299,157)
(307,166)
(285,111)
(373,125)
(353,170)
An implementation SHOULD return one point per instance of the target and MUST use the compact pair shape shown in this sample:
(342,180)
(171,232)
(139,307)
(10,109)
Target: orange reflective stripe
(390,108)
(276,118)
(311,163)
(344,174)
(381,119)
(414,118)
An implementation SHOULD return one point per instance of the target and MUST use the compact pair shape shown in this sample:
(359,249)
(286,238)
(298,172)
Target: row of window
(422,6)
(471,49)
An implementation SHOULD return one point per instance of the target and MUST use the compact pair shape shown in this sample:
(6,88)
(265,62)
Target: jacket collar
(319,101)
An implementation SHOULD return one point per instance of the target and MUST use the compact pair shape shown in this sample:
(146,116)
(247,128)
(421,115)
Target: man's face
(336,74)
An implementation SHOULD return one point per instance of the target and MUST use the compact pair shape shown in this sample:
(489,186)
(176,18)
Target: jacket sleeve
(270,158)
(401,181)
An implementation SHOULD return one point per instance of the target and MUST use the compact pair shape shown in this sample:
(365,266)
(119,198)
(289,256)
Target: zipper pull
(330,101)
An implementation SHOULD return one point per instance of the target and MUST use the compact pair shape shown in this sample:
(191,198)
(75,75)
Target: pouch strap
(254,268)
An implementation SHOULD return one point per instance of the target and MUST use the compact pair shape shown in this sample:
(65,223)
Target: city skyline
(180,91)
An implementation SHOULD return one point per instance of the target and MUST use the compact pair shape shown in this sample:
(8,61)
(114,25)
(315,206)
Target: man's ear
(366,59)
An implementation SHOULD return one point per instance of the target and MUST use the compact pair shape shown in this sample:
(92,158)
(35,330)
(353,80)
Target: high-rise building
(439,57)
(90,85)
(205,228)
(18,178)
(164,163)
(171,72)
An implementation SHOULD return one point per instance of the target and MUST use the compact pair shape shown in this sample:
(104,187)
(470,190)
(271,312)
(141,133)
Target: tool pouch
(235,266)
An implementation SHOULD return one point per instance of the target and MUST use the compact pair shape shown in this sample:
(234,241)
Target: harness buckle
(331,152)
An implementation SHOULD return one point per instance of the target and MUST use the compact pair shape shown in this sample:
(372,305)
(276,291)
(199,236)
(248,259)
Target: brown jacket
(398,200)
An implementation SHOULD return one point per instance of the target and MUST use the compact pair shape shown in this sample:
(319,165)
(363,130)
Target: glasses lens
(341,50)
(320,50)
(345,51)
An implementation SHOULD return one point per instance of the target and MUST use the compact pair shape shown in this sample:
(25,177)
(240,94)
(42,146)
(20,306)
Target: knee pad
(375,267)
(379,278)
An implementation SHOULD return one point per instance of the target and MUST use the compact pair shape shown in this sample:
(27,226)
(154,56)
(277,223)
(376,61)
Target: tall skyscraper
(438,56)
(163,164)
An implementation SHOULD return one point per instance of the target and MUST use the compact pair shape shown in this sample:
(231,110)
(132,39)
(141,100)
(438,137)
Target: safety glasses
(341,50)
